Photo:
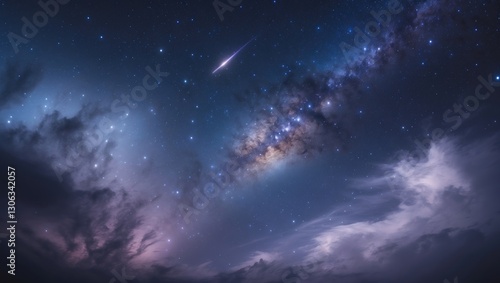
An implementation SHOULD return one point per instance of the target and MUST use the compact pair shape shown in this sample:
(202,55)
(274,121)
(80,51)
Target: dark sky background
(277,141)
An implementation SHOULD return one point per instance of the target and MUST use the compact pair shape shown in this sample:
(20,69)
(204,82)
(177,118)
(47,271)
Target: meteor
(232,56)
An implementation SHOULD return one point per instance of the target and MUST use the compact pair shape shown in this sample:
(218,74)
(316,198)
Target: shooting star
(232,56)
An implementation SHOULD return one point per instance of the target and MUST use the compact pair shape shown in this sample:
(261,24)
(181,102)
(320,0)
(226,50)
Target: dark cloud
(70,145)
(16,81)
(74,224)
(465,254)
(88,231)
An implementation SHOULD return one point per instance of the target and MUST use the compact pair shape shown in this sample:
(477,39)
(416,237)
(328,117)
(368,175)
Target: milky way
(309,115)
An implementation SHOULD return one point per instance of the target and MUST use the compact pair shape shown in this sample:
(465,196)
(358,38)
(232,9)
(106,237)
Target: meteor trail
(234,54)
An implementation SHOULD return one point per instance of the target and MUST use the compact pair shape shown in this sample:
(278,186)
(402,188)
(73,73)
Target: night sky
(251,141)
